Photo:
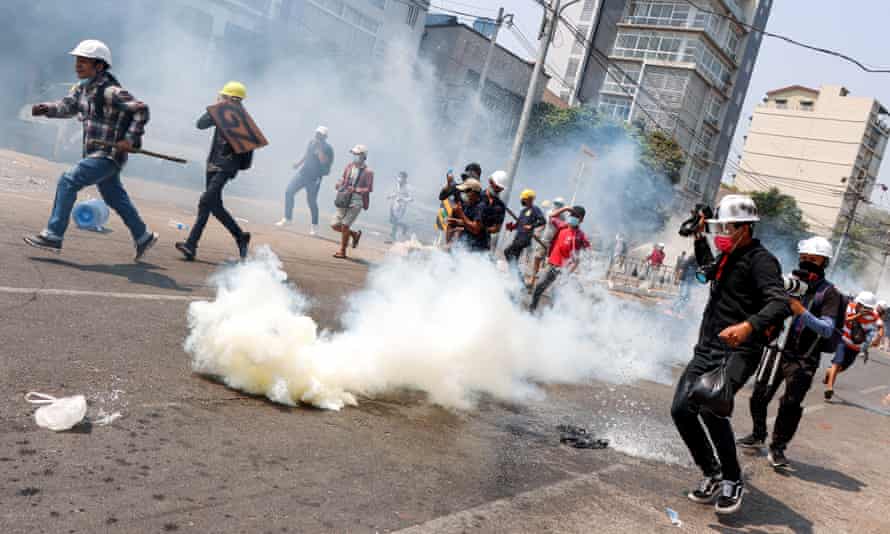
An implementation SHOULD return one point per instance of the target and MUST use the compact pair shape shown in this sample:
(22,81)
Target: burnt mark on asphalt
(28,492)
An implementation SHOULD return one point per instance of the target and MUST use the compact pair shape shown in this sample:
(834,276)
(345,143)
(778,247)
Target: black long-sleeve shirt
(745,286)
(221,157)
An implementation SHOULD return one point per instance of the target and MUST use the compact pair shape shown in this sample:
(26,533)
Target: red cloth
(567,241)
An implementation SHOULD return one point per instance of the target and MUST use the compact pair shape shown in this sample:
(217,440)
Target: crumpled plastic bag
(58,414)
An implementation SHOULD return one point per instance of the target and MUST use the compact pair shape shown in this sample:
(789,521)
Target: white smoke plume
(447,325)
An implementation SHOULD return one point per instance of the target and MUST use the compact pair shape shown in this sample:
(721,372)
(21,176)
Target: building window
(806,105)
(652,45)
(587,11)
(660,13)
(413,12)
(695,177)
(578,46)
(708,22)
(781,103)
(713,109)
(714,67)
(733,38)
(613,106)
(622,78)
(572,69)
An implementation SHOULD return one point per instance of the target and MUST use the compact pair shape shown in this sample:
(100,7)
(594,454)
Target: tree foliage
(660,154)
(781,222)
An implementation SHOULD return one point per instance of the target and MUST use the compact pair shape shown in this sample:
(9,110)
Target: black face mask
(815,272)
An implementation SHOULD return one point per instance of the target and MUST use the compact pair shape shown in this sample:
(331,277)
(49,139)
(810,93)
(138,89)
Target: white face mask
(358,159)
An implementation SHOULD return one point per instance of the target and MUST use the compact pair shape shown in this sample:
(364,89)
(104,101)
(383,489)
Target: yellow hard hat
(527,193)
(234,89)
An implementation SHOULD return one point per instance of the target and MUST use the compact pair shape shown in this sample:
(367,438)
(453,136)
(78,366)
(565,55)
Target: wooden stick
(144,152)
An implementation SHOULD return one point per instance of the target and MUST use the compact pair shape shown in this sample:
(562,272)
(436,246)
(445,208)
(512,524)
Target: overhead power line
(795,42)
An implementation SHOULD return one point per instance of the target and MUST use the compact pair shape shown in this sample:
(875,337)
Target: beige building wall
(810,144)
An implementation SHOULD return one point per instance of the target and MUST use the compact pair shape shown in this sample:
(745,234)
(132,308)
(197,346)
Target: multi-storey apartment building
(680,66)
(815,145)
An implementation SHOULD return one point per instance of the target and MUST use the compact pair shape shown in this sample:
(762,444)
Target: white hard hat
(817,246)
(546,204)
(360,149)
(867,299)
(323,130)
(659,246)
(735,209)
(882,304)
(499,178)
(93,49)
(559,201)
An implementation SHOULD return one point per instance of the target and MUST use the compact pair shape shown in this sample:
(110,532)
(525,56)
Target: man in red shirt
(569,239)
(654,260)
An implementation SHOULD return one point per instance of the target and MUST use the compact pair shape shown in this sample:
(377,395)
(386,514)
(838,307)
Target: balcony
(733,7)
(668,23)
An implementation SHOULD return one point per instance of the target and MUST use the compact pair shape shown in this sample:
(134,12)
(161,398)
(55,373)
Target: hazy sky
(855,27)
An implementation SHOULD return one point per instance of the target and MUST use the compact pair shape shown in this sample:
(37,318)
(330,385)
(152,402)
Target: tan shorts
(346,216)
(540,251)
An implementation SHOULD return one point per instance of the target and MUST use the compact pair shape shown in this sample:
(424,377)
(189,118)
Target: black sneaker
(828,394)
(730,499)
(707,490)
(750,442)
(41,242)
(142,248)
(243,245)
(777,458)
(187,251)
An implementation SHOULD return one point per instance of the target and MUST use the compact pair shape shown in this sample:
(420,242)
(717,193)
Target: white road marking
(557,488)
(872,390)
(109,294)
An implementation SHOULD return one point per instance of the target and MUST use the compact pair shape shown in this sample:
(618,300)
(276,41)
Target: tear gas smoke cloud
(447,325)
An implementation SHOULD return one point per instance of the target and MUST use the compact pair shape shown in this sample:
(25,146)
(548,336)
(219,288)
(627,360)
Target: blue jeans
(682,297)
(104,174)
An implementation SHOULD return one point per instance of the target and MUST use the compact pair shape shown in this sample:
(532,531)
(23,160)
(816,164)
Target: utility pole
(858,187)
(552,15)
(483,77)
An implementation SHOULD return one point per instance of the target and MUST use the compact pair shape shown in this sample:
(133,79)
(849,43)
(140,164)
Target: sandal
(340,256)
(358,235)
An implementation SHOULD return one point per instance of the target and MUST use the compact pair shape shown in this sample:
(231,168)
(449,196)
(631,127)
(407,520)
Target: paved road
(188,455)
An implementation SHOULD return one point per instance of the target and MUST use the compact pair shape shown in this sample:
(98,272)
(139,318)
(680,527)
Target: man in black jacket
(747,301)
(809,335)
(222,165)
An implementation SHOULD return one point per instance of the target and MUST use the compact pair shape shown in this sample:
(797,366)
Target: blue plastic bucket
(90,214)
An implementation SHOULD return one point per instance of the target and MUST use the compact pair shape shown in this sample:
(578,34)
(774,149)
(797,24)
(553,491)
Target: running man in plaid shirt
(113,124)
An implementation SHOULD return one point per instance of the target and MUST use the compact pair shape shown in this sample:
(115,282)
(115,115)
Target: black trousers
(691,421)
(514,249)
(211,203)
(311,184)
(798,377)
(549,277)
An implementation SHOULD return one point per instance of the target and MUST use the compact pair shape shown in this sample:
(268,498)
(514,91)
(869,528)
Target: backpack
(829,344)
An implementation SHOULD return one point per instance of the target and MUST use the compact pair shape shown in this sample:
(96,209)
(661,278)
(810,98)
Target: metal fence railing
(636,273)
